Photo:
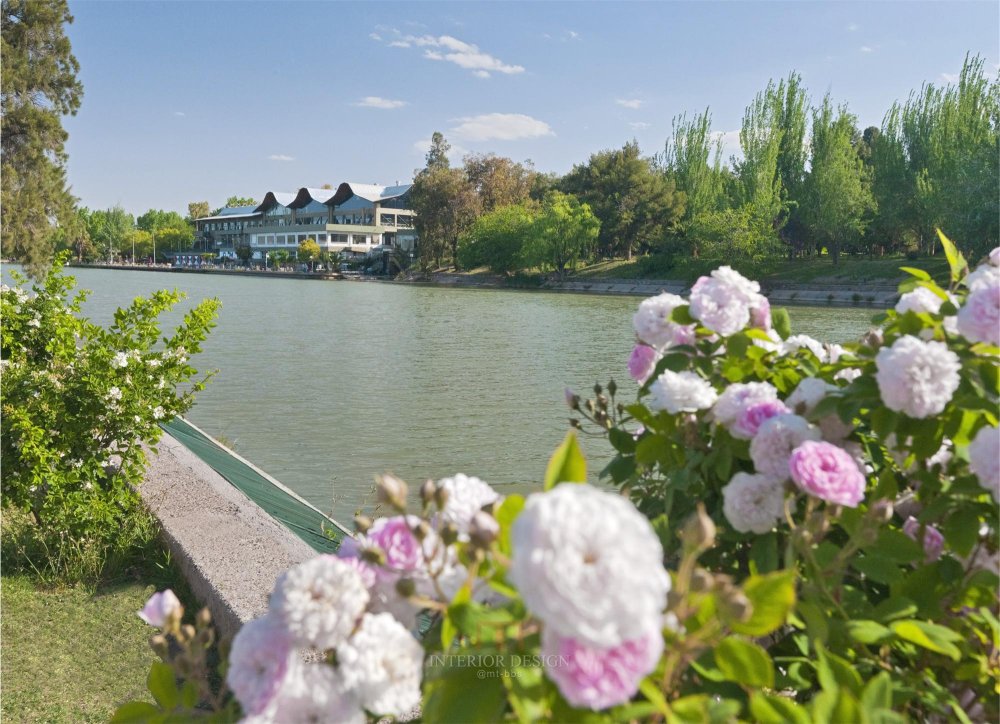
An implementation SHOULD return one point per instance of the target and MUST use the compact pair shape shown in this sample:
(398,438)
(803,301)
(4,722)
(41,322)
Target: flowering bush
(79,402)
(803,543)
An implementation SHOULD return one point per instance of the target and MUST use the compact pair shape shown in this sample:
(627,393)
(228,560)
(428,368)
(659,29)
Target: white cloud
(573,35)
(374,36)
(640,125)
(280,157)
(853,27)
(449,49)
(180,114)
(867,49)
(950,77)
(376,102)
(631,103)
(501,127)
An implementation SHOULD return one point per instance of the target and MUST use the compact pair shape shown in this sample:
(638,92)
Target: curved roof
(369,192)
(275,198)
(306,195)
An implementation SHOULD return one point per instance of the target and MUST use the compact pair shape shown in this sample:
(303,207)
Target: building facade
(354,219)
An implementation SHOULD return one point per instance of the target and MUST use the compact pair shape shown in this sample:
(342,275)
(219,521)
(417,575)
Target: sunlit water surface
(324,384)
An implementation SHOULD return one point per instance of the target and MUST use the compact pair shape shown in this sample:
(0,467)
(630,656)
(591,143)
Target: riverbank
(872,293)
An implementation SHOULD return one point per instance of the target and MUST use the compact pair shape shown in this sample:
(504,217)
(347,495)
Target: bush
(811,535)
(79,403)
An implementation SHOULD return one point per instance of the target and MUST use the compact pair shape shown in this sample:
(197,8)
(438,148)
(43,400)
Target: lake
(325,384)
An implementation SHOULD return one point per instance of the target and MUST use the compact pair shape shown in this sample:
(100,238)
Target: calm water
(324,384)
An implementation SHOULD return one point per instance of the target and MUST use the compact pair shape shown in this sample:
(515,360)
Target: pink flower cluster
(642,362)
(827,472)
(753,416)
(933,541)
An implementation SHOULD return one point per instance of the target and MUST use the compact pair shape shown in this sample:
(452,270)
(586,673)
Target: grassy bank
(74,653)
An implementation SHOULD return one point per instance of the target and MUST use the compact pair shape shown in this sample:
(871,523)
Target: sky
(191,101)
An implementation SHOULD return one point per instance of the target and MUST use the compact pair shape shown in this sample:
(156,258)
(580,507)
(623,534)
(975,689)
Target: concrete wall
(229,549)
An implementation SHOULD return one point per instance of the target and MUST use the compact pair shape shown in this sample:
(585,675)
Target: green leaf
(163,685)
(781,322)
(651,690)
(878,569)
(567,464)
(622,440)
(465,694)
(961,530)
(508,511)
(767,709)
(449,627)
(895,608)
(744,662)
(918,273)
(738,345)
(682,315)
(772,597)
(956,261)
(135,712)
(868,632)
(764,553)
(834,672)
(877,694)
(930,636)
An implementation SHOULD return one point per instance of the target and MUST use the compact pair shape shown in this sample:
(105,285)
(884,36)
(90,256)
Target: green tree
(74,235)
(109,229)
(692,158)
(437,154)
(244,253)
(39,86)
(156,219)
(562,234)
(139,244)
(837,195)
(174,238)
(309,252)
(497,239)
(198,210)
(445,204)
(635,205)
(499,181)
(233,201)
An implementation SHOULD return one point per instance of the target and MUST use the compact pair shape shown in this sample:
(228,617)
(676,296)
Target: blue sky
(188,101)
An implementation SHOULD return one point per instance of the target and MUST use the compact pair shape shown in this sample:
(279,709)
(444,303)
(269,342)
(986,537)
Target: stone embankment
(228,548)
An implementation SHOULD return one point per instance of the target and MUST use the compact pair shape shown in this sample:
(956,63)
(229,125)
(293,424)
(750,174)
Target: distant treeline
(808,179)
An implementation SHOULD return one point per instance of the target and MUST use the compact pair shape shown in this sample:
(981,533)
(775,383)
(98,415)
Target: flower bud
(405,587)
(159,645)
(483,529)
(737,605)
(362,523)
(427,491)
(421,530)
(187,632)
(597,389)
(441,497)
(701,580)
(698,533)
(204,618)
(449,533)
(874,338)
(572,399)
(373,555)
(881,511)
(391,491)
(612,388)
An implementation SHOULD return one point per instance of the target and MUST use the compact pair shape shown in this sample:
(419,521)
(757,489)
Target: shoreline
(793,294)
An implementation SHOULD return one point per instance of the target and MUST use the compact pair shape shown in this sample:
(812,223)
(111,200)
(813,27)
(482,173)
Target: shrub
(79,403)
(811,536)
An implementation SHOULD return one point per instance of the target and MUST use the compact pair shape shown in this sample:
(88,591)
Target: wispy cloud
(449,49)
(640,125)
(377,102)
(853,28)
(280,157)
(500,127)
(180,114)
(867,49)
(950,77)
(374,36)
(631,103)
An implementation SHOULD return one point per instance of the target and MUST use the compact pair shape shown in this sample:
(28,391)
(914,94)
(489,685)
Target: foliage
(175,238)
(79,403)
(693,157)
(635,205)
(437,154)
(198,210)
(498,240)
(109,230)
(308,251)
(446,205)
(156,219)
(39,87)
(564,233)
(837,199)
(244,253)
(498,181)
(233,201)
(732,234)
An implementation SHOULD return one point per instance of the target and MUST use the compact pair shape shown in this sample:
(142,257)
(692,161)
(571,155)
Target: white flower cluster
(602,589)
(753,503)
(320,605)
(466,496)
(724,301)
(915,377)
(653,324)
(681,392)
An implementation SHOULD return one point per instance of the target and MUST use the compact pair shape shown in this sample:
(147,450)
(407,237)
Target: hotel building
(353,219)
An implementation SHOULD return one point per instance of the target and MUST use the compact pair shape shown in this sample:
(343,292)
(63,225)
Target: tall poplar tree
(39,86)
(693,158)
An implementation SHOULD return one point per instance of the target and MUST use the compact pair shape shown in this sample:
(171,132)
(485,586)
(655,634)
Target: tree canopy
(39,86)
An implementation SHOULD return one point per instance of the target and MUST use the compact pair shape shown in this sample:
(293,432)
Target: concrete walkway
(229,549)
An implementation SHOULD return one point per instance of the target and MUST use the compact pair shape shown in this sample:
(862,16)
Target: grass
(74,653)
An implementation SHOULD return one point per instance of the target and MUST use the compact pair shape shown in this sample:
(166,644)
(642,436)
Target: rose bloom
(642,362)
(979,319)
(258,661)
(653,323)
(160,608)
(774,442)
(915,377)
(749,422)
(681,392)
(827,472)
(722,301)
(595,678)
(753,503)
(933,541)
(737,397)
(984,459)
(994,257)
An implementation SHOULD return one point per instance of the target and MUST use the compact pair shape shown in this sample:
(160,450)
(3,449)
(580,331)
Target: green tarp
(298,516)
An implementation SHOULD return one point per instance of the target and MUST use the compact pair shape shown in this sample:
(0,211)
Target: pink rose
(755,415)
(827,472)
(394,537)
(160,608)
(979,319)
(933,540)
(258,662)
(760,316)
(642,362)
(593,678)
